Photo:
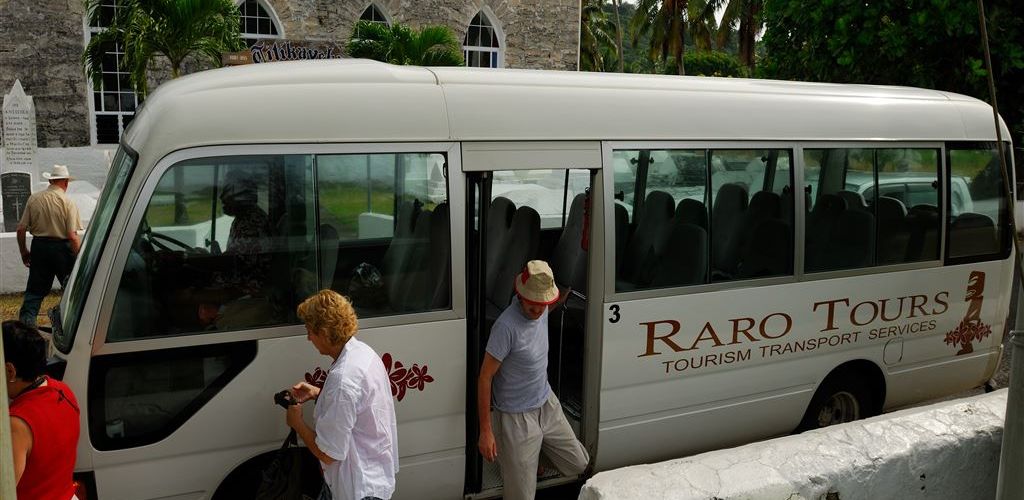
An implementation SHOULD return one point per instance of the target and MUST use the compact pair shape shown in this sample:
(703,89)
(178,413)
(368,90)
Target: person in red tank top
(44,418)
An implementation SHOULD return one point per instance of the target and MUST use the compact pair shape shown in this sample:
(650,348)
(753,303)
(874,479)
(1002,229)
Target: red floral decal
(403,378)
(966,333)
(317,378)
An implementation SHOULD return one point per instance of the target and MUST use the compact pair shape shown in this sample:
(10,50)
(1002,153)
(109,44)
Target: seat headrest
(891,208)
(691,211)
(731,197)
(766,203)
(830,204)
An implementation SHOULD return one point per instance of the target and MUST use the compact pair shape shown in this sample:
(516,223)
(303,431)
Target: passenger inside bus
(237,295)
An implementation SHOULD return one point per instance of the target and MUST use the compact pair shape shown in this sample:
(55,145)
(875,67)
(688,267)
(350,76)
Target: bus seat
(893,234)
(499,223)
(854,201)
(519,246)
(726,215)
(685,261)
(568,261)
(755,225)
(769,251)
(328,255)
(821,222)
(414,273)
(440,260)
(972,234)
(691,211)
(853,241)
(405,219)
(621,234)
(923,222)
(399,250)
(644,245)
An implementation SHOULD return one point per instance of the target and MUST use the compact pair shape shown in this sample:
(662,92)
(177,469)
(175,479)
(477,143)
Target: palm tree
(665,20)
(702,23)
(595,36)
(400,44)
(749,15)
(175,29)
(618,33)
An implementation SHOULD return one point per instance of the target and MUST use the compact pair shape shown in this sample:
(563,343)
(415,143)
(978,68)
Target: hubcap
(842,407)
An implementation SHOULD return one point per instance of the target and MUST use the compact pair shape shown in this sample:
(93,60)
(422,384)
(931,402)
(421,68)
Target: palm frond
(175,29)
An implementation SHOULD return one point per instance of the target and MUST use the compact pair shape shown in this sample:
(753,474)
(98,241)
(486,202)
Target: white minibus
(735,273)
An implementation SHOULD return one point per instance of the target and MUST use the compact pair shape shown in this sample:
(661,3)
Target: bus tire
(842,397)
(244,481)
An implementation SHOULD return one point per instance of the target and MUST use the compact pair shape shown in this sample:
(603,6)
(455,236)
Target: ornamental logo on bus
(971,327)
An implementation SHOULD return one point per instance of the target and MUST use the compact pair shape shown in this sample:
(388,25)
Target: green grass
(10,304)
(342,204)
(197,210)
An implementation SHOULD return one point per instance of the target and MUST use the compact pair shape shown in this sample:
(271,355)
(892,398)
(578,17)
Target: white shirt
(356,425)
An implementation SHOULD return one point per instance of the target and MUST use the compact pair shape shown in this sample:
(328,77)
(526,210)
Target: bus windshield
(66,317)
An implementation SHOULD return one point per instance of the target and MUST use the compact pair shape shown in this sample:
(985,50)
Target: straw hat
(59,172)
(536,283)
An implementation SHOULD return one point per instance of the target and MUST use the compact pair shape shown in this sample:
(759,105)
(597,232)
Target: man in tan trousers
(527,417)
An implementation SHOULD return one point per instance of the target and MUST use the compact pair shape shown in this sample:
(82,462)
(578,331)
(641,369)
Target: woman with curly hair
(355,426)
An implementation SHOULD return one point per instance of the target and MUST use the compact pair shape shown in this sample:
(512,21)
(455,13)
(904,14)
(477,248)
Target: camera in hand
(284,399)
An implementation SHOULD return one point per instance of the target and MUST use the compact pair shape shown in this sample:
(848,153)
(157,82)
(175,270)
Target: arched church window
(374,15)
(256,22)
(482,47)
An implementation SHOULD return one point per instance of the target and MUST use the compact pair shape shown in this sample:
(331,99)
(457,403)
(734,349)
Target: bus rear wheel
(841,398)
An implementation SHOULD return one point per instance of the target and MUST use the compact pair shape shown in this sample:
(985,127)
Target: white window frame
(380,10)
(498,52)
(88,32)
(275,20)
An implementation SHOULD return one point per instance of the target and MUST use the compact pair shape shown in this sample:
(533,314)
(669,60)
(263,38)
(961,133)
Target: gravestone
(15,188)
(20,149)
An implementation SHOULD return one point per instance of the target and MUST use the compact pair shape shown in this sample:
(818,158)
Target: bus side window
(979,220)
(852,223)
(751,215)
(705,216)
(385,231)
(223,245)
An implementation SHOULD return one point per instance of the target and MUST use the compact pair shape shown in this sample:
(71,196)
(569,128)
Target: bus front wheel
(245,480)
(841,398)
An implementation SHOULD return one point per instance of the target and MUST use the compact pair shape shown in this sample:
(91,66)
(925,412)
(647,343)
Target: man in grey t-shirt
(527,417)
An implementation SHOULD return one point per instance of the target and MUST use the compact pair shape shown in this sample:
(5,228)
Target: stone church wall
(41,43)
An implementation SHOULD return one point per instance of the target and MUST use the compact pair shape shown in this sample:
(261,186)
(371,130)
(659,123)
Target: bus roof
(331,101)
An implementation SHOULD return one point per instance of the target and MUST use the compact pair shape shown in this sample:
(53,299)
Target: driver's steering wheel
(157,240)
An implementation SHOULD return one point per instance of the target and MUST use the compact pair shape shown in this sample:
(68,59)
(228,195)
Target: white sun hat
(536,284)
(59,172)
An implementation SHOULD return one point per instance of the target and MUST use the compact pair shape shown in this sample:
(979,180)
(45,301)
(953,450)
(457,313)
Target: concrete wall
(948,450)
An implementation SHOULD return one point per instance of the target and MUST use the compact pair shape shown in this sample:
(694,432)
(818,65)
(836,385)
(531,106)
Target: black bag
(288,477)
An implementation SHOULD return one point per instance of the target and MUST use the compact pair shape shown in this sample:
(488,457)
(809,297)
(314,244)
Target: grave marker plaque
(15,188)
(19,131)
(18,128)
